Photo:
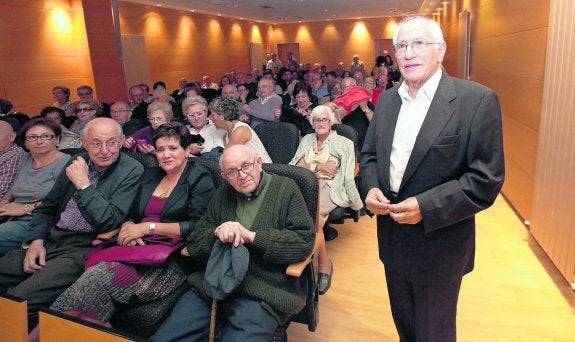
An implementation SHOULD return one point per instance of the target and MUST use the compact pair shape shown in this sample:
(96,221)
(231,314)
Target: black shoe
(329,233)
(337,221)
(324,280)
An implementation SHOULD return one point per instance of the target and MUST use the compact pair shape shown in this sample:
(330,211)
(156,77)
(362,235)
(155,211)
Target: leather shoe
(329,233)
(324,280)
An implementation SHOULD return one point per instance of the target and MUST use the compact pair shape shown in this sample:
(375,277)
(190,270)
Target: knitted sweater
(284,234)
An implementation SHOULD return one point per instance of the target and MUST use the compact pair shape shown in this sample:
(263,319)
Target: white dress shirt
(411,115)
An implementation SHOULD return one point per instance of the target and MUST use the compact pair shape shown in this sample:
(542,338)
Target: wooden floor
(514,293)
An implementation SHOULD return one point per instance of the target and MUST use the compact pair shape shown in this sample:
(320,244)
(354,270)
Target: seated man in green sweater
(266,214)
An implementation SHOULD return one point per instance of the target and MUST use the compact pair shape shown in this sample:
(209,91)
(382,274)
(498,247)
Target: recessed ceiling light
(192,11)
(219,14)
(241,18)
(159,5)
(300,21)
(259,21)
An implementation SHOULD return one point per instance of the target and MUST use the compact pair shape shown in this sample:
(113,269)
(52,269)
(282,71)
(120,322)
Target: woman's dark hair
(176,130)
(5,106)
(302,86)
(39,121)
(159,83)
(389,61)
(228,108)
(46,110)
(345,74)
(379,61)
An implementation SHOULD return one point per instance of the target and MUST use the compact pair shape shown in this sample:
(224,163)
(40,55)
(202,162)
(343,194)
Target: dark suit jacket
(187,202)
(456,169)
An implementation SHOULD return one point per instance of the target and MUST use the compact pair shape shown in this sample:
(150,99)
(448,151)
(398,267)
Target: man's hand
(406,212)
(35,257)
(129,142)
(12,209)
(234,232)
(376,202)
(131,234)
(77,173)
(277,114)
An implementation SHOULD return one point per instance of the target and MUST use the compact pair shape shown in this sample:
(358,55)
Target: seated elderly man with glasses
(92,195)
(259,214)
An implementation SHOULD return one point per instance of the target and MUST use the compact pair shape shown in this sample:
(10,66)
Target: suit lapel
(179,191)
(439,113)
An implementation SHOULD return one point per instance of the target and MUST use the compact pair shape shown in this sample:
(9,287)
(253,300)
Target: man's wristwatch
(151,228)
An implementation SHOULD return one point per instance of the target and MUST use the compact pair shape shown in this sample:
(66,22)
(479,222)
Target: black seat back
(280,139)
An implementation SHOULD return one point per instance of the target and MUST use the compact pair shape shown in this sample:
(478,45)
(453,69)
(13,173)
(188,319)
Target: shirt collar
(428,89)
(264,180)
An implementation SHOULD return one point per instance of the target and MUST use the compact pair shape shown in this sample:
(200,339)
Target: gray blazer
(456,169)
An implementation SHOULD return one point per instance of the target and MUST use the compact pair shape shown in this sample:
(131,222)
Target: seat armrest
(296,269)
(109,234)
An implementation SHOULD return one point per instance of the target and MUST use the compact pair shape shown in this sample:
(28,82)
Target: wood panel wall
(553,214)
(508,44)
(43,45)
(331,42)
(190,45)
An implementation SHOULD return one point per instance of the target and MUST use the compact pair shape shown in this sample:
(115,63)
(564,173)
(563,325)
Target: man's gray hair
(432,26)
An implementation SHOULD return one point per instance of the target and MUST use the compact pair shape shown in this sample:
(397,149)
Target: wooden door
(284,49)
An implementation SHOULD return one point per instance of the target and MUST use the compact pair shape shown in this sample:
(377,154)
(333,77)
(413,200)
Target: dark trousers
(420,312)
(245,320)
(64,264)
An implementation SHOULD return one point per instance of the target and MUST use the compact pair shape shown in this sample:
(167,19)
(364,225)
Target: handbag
(154,253)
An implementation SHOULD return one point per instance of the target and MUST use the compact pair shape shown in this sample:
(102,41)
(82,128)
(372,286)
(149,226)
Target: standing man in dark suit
(432,159)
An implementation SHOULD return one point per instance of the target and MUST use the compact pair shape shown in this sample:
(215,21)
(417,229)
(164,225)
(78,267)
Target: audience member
(356,64)
(93,195)
(10,153)
(37,173)
(265,216)
(274,62)
(5,106)
(359,115)
(332,158)
(225,113)
(180,93)
(87,93)
(299,113)
(159,113)
(137,104)
(369,85)
(267,107)
(68,139)
(85,111)
(62,96)
(121,113)
(208,140)
(293,64)
(433,158)
(208,84)
(169,202)
(319,88)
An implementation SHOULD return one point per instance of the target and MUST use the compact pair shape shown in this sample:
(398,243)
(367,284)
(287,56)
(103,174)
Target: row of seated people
(77,222)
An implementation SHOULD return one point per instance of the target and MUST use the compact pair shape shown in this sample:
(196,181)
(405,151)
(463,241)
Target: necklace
(163,195)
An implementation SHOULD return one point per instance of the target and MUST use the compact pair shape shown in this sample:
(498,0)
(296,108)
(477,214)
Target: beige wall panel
(519,187)
(553,214)
(520,97)
(520,145)
(514,16)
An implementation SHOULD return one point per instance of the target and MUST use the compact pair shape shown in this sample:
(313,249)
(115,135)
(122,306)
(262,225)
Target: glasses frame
(110,144)
(245,168)
(43,137)
(321,121)
(417,46)
(84,109)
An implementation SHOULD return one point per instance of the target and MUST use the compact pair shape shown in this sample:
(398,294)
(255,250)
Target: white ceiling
(292,11)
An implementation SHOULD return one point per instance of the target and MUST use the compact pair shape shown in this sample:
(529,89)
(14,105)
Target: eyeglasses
(417,46)
(196,114)
(111,144)
(321,121)
(235,173)
(83,109)
(157,119)
(43,137)
(119,111)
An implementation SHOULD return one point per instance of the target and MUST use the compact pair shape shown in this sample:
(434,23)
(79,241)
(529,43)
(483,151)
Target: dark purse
(154,253)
